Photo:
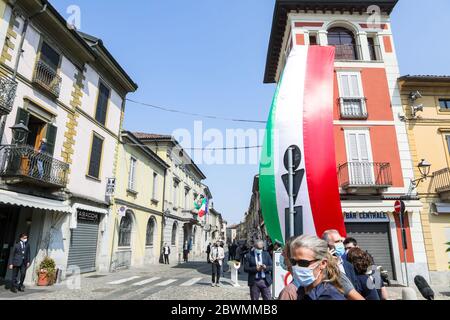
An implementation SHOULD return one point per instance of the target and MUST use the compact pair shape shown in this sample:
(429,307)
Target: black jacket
(163,250)
(250,267)
(351,275)
(19,256)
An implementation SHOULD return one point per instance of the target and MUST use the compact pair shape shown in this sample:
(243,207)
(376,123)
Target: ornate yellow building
(426,102)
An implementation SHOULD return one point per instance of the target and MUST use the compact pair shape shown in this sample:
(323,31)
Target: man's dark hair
(22,235)
(350,240)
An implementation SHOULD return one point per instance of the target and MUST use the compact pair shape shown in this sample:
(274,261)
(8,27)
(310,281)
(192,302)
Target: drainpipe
(19,54)
(163,217)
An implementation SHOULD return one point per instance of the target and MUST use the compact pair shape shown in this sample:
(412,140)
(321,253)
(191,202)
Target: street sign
(400,206)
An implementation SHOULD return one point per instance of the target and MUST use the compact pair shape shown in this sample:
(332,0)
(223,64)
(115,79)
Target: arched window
(150,235)
(344,41)
(125,227)
(174,234)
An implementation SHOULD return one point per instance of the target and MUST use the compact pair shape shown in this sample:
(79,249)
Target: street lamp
(424,169)
(19,132)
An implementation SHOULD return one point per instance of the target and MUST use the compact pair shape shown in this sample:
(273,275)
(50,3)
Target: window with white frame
(155,186)
(132,174)
(186,198)
(359,154)
(351,96)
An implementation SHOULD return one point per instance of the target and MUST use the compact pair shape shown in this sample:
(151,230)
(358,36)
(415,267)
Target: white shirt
(166,250)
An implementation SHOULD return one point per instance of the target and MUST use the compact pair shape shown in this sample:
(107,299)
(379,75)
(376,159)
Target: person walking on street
(233,250)
(208,251)
(185,251)
(258,265)
(216,257)
(19,261)
(166,253)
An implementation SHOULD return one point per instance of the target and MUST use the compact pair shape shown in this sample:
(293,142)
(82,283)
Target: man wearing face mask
(19,261)
(348,275)
(258,265)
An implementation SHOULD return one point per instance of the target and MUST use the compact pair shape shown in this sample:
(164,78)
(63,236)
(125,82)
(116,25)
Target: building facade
(181,223)
(63,96)
(374,164)
(429,138)
(136,218)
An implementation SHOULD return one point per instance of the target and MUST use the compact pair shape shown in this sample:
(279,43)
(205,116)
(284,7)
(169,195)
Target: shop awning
(85,207)
(442,208)
(25,200)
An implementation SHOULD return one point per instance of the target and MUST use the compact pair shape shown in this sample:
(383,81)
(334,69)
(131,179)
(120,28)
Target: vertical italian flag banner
(302,116)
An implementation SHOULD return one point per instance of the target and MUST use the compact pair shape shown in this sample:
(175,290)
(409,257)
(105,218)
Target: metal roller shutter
(375,239)
(83,245)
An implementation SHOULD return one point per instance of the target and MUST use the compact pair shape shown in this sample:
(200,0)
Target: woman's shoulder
(327,291)
(289,292)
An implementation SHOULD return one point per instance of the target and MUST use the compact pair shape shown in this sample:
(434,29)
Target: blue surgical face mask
(340,249)
(303,277)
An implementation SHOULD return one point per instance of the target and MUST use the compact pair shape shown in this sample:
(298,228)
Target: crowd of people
(326,268)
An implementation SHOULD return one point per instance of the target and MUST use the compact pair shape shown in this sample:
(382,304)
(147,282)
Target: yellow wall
(427,141)
(145,167)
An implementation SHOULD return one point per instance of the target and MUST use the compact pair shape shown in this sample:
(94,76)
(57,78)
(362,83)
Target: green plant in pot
(46,272)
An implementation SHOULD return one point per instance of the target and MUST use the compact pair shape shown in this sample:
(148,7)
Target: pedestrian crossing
(137,281)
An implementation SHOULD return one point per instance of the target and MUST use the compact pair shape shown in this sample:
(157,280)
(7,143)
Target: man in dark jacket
(19,261)
(258,265)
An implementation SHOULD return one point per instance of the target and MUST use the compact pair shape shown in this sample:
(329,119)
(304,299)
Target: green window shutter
(22,115)
(51,138)
(102,104)
(96,156)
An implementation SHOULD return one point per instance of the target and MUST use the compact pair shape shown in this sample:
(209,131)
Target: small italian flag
(203,210)
(302,116)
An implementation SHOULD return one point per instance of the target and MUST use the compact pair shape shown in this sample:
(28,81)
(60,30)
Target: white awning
(88,208)
(442,208)
(25,200)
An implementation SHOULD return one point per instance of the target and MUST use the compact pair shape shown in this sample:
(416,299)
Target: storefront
(373,233)
(85,235)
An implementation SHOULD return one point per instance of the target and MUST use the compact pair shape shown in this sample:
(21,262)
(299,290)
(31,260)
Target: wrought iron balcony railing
(442,180)
(353,108)
(8,89)
(34,167)
(46,77)
(365,174)
(351,52)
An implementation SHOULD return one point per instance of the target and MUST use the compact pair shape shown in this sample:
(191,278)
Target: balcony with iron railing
(353,108)
(8,89)
(24,164)
(365,175)
(47,78)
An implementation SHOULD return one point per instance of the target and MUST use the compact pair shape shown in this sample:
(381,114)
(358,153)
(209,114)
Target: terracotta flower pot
(43,279)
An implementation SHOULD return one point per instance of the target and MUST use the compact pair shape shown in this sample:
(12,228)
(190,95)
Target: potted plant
(46,272)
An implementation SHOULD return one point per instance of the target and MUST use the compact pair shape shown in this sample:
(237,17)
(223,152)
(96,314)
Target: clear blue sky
(208,56)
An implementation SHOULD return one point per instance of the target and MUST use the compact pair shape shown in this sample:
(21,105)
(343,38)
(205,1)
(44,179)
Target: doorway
(37,132)
(8,225)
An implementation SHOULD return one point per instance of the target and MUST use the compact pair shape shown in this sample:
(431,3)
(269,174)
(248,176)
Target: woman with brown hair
(290,291)
(361,260)
(315,270)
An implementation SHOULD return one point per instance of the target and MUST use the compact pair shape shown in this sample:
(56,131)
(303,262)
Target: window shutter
(22,115)
(354,85)
(353,147)
(363,148)
(345,86)
(96,154)
(51,138)
(102,104)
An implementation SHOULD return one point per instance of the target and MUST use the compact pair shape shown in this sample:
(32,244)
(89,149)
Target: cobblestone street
(190,281)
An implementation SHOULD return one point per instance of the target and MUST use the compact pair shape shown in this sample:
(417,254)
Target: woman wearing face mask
(315,270)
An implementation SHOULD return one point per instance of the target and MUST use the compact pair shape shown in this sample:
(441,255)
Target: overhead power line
(203,149)
(194,114)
